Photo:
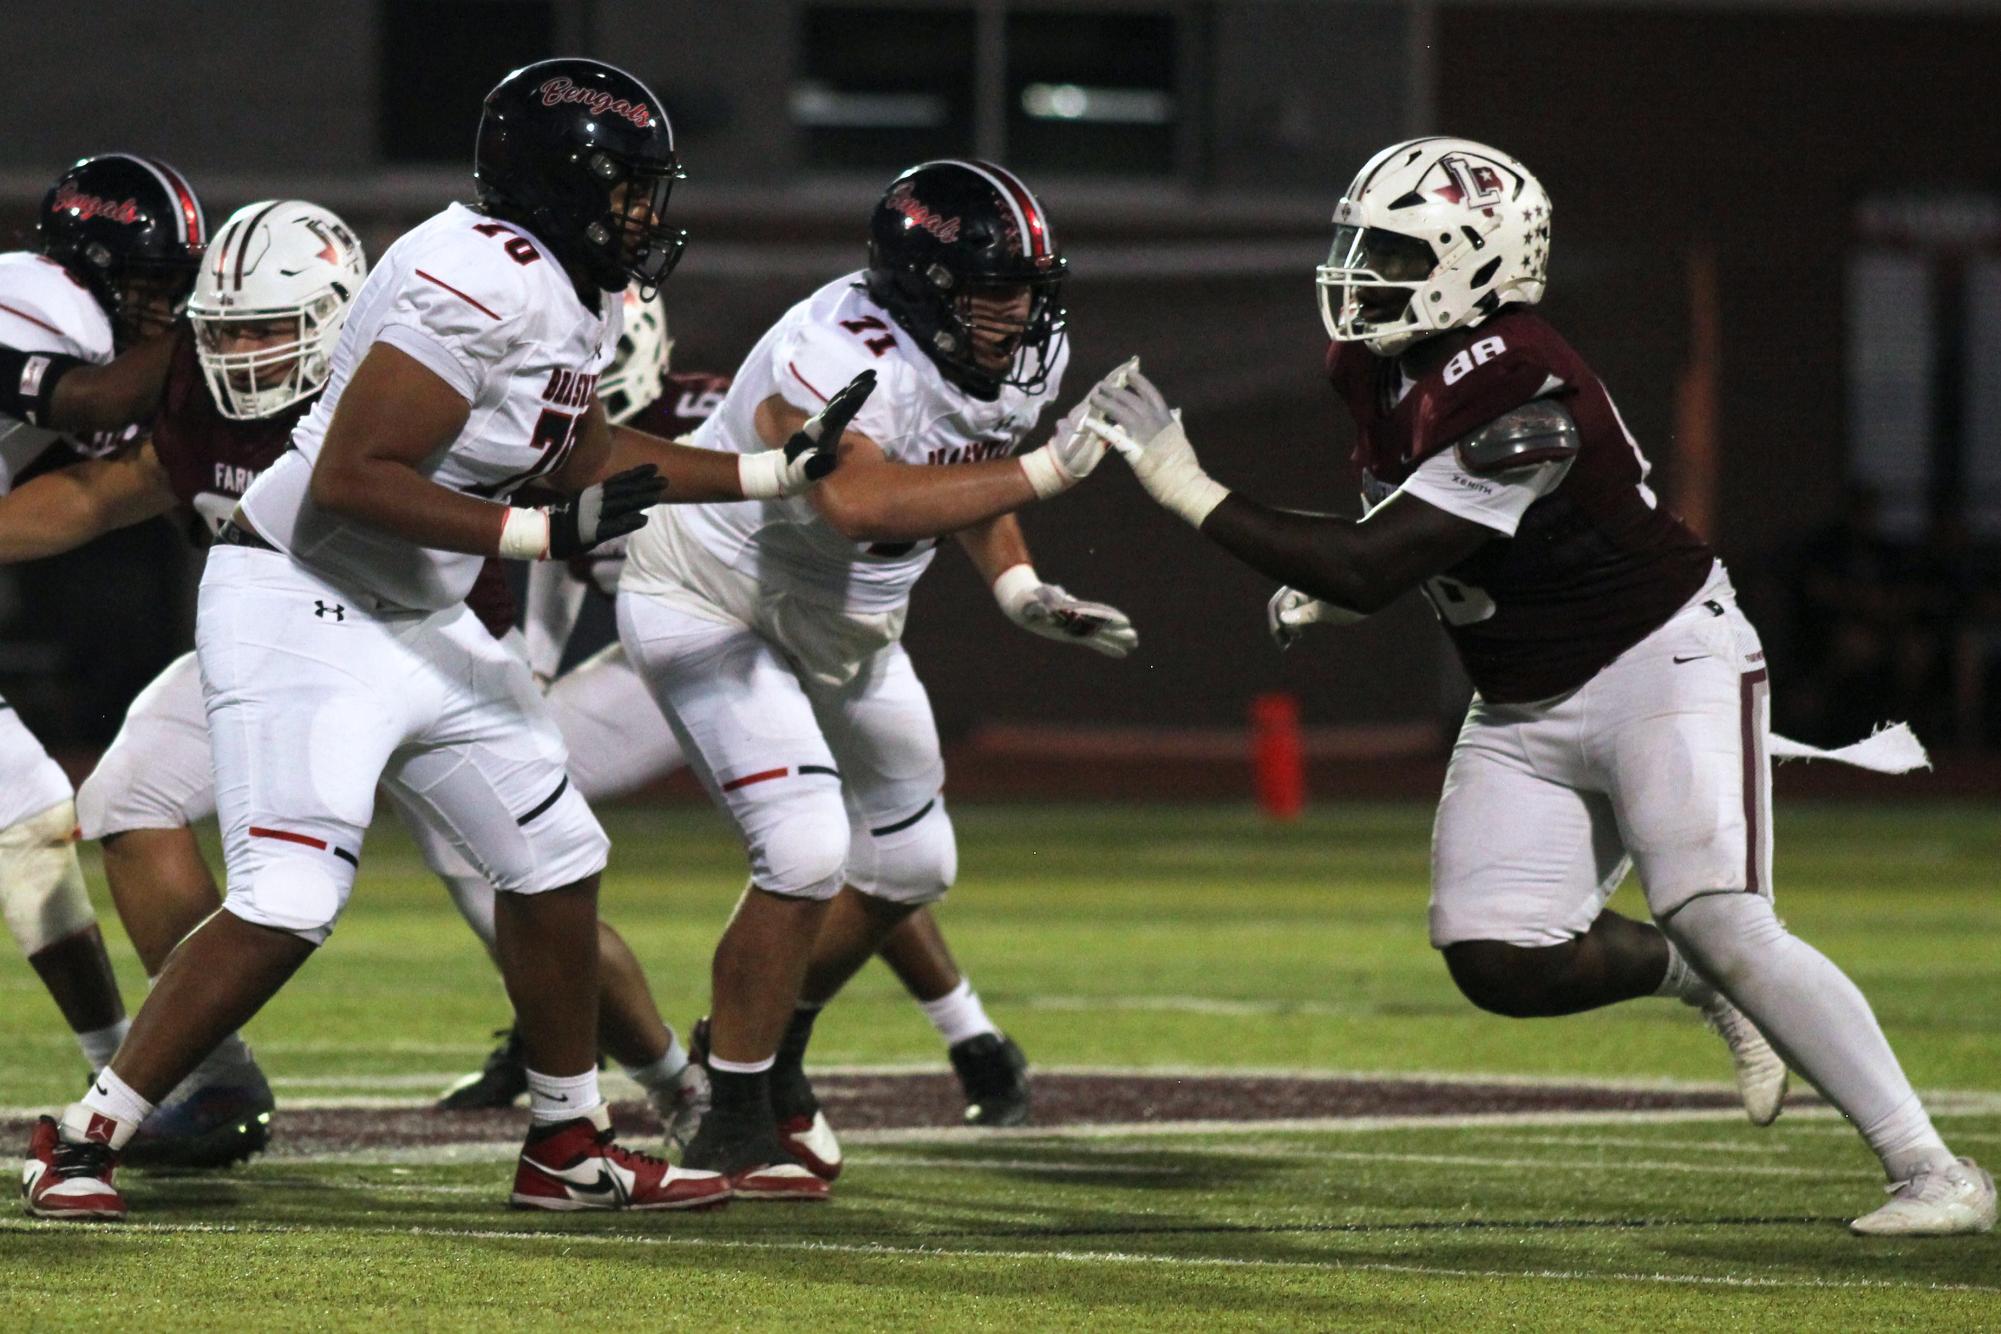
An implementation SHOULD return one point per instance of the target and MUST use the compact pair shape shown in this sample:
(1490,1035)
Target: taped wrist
(28,383)
(524,535)
(762,475)
(1046,477)
(1015,588)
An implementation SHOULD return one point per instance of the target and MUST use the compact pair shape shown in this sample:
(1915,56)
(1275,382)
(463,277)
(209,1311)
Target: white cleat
(1761,1074)
(1949,1201)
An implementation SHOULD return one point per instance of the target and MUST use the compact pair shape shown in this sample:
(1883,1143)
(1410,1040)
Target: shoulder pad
(1539,431)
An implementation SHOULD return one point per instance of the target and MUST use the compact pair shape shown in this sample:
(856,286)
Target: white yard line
(568,1238)
(1247,1133)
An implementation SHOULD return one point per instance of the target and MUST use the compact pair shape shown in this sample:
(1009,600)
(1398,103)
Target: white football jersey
(915,414)
(43,309)
(485,308)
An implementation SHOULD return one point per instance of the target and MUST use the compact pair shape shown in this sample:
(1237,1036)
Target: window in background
(880,87)
(439,59)
(1889,383)
(1092,92)
(1924,339)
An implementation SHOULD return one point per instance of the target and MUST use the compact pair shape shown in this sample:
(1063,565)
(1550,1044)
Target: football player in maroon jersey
(1622,714)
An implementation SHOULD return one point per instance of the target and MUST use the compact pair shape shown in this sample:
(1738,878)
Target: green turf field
(1099,936)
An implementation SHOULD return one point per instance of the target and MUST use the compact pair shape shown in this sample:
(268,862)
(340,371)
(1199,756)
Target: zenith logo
(338,611)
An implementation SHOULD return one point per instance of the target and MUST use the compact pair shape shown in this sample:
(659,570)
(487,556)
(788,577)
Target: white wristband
(1015,586)
(1046,476)
(1193,498)
(762,475)
(524,535)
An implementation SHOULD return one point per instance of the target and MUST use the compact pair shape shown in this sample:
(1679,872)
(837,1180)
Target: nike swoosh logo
(101,1091)
(564,1097)
(1695,657)
(606,1187)
(291,273)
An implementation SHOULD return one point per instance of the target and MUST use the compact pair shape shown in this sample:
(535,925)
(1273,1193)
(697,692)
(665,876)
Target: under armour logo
(322,610)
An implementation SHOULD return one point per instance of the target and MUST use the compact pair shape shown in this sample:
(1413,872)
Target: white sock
(101,1044)
(717,1063)
(958,1014)
(1814,1017)
(111,1097)
(1682,982)
(1907,1141)
(661,1074)
(553,1098)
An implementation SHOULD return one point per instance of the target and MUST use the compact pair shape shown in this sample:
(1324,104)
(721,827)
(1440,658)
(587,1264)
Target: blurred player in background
(770,631)
(118,239)
(336,649)
(1622,715)
(619,743)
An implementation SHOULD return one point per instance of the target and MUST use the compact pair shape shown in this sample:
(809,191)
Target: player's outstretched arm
(394,414)
(875,499)
(69,394)
(1000,552)
(801,456)
(61,510)
(1360,567)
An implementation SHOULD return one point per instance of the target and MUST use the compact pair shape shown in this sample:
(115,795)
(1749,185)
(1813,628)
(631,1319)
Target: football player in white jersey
(119,237)
(769,630)
(619,742)
(336,649)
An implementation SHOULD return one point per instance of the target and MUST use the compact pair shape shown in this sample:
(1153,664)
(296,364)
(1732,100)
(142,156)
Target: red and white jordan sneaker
(578,1164)
(811,1140)
(68,1180)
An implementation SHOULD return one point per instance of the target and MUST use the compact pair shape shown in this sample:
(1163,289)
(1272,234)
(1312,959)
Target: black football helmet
(556,138)
(131,229)
(951,230)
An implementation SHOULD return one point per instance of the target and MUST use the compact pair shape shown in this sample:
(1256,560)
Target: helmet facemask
(638,372)
(1370,285)
(260,362)
(147,296)
(630,240)
(1005,332)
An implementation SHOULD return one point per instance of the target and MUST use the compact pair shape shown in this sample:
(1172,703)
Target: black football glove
(611,508)
(821,434)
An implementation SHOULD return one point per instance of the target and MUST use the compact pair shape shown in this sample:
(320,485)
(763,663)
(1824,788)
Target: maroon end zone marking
(927,1101)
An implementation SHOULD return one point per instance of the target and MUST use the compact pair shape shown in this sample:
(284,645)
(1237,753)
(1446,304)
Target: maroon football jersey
(1596,564)
(209,460)
(687,399)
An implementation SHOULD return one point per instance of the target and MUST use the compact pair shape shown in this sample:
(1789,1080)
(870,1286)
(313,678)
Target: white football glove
(1135,420)
(1049,611)
(1290,611)
(1074,449)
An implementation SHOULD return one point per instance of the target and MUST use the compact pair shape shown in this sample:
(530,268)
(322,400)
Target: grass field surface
(1107,938)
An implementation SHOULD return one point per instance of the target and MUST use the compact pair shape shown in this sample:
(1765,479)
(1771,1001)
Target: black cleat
(994,1074)
(502,1080)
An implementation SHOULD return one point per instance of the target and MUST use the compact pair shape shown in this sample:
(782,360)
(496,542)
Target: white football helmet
(269,302)
(639,364)
(1433,234)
